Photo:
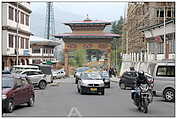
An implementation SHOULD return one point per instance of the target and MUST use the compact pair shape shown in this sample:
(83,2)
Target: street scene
(64,100)
(79,62)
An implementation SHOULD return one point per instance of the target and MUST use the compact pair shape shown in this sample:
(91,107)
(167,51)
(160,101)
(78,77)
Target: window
(161,13)
(27,43)
(27,20)
(35,50)
(11,41)
(11,13)
(22,18)
(22,43)
(160,48)
(16,16)
(166,71)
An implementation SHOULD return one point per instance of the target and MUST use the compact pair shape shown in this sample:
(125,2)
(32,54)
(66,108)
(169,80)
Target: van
(164,80)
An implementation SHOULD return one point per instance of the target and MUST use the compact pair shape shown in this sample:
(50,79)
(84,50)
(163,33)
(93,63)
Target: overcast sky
(74,11)
(96,10)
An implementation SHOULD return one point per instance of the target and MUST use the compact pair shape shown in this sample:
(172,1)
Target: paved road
(62,99)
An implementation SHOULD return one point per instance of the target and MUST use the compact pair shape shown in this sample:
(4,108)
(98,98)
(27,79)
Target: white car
(56,74)
(37,78)
(90,82)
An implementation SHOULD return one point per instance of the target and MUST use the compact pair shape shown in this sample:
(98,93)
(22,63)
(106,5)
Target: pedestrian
(110,72)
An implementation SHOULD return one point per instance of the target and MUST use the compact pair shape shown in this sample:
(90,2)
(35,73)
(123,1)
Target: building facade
(42,50)
(87,34)
(143,15)
(15,33)
(146,26)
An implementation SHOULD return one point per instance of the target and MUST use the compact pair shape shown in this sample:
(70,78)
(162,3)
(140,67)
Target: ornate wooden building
(87,34)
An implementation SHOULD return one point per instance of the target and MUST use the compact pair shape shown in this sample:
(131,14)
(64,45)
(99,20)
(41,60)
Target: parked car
(47,70)
(164,80)
(56,74)
(105,77)
(78,72)
(37,77)
(90,82)
(15,91)
(128,79)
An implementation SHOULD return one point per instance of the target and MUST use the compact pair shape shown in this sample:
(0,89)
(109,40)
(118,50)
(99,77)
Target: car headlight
(102,85)
(84,84)
(106,80)
(4,97)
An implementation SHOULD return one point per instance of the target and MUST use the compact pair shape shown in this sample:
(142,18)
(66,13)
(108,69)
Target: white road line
(74,112)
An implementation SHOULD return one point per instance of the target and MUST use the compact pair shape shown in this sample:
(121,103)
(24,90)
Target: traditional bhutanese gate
(87,34)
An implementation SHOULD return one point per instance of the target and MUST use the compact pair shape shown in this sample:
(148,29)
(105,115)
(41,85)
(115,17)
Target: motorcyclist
(142,79)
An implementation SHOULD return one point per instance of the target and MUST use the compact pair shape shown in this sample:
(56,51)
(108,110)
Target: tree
(79,58)
(116,47)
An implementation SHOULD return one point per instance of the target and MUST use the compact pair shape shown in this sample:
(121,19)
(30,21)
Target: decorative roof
(88,22)
(87,35)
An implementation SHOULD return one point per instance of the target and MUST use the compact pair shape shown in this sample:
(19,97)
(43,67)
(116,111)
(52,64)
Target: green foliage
(116,47)
(78,59)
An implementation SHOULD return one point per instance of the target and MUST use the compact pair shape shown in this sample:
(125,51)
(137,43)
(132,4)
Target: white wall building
(155,47)
(42,50)
(15,15)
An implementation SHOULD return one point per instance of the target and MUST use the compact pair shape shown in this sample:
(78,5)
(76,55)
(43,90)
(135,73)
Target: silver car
(164,80)
(37,78)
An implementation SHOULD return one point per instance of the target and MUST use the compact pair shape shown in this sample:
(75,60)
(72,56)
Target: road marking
(74,112)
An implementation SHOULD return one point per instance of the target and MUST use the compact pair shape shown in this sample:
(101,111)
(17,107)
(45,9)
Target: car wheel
(169,95)
(102,93)
(78,90)
(109,86)
(81,91)
(10,106)
(122,86)
(31,101)
(42,84)
(76,81)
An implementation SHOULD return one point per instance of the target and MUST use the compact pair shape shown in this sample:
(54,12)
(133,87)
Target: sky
(95,10)
(74,11)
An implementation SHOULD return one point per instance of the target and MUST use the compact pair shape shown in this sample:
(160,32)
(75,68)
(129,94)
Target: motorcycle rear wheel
(145,106)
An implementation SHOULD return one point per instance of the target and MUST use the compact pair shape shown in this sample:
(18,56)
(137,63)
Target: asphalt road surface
(62,99)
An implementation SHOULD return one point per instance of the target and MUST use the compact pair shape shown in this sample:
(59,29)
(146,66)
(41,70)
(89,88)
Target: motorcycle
(143,96)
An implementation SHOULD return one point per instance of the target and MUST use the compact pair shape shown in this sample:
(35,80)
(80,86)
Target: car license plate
(93,89)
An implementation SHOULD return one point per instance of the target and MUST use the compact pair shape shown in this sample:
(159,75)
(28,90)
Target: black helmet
(141,73)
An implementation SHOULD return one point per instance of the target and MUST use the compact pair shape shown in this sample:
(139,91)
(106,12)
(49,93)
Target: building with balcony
(146,26)
(143,15)
(15,33)
(42,50)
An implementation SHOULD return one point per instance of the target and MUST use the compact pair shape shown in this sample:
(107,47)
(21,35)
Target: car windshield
(104,74)
(92,76)
(82,69)
(7,82)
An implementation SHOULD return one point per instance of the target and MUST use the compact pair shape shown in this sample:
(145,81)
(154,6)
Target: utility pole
(50,22)
(17,52)
(165,53)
